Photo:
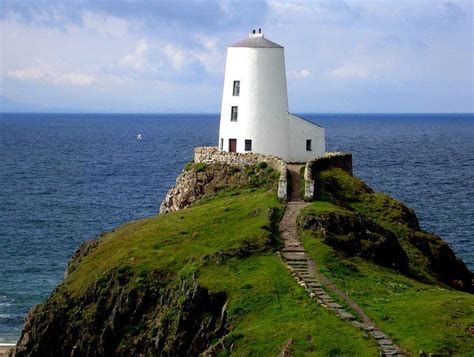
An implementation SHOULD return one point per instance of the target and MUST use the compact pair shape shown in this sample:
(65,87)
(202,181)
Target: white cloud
(349,72)
(74,78)
(298,74)
(176,55)
(404,47)
(211,56)
(104,24)
(116,80)
(49,75)
(292,7)
(137,59)
(208,42)
(26,74)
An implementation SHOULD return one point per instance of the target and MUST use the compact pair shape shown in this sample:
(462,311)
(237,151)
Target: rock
(200,181)
(357,235)
(367,327)
(345,315)
(286,351)
(376,227)
(181,319)
(442,260)
(84,249)
(378,335)
(215,170)
(196,182)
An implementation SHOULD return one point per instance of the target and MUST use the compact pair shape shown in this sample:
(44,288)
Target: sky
(169,56)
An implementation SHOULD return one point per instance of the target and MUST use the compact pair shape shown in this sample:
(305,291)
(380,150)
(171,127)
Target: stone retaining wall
(341,160)
(211,155)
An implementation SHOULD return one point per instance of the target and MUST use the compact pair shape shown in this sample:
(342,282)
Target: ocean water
(65,178)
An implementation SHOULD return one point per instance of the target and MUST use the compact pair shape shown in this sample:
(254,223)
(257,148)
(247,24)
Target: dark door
(232,145)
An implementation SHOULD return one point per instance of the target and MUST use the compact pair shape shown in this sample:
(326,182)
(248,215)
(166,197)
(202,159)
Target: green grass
(347,192)
(319,207)
(168,242)
(341,189)
(416,315)
(266,308)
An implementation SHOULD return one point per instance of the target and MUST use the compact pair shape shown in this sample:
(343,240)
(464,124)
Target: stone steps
(299,265)
(295,249)
(343,314)
(297,261)
(295,258)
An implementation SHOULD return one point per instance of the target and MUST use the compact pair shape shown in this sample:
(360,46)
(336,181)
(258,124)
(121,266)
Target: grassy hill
(207,278)
(417,310)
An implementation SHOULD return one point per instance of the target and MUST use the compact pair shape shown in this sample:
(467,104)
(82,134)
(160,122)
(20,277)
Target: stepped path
(318,286)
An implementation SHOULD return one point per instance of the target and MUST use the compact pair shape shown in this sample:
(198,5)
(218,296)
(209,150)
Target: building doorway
(232,145)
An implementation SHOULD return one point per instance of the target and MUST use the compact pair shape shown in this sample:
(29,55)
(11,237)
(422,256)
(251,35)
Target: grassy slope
(171,241)
(416,315)
(266,306)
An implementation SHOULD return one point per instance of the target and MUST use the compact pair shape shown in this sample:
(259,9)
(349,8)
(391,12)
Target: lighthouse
(254,112)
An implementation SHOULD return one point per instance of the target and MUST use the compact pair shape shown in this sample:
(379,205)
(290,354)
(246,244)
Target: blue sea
(65,178)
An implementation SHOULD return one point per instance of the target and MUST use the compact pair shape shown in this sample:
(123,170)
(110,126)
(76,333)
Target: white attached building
(254,113)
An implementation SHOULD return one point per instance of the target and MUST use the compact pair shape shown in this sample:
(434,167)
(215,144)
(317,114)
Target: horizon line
(218,113)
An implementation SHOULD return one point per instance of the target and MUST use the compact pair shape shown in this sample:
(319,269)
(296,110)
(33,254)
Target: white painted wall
(300,131)
(263,107)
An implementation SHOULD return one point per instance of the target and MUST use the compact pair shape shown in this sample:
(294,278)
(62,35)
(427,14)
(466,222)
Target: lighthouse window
(233,114)
(248,145)
(308,145)
(222,144)
(236,91)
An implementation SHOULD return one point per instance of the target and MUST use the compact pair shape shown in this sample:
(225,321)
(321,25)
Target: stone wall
(341,160)
(211,155)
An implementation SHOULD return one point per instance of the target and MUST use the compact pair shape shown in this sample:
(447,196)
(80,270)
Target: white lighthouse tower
(254,113)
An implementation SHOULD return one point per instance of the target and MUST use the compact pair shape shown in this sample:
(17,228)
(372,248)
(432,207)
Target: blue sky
(169,56)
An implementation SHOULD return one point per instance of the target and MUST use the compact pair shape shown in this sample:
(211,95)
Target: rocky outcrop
(84,249)
(356,235)
(113,319)
(200,180)
(442,262)
(378,228)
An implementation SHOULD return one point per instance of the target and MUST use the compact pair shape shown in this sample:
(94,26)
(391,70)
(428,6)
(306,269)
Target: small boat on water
(139,137)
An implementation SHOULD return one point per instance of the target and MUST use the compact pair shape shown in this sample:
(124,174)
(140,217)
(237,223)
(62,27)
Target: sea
(65,178)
